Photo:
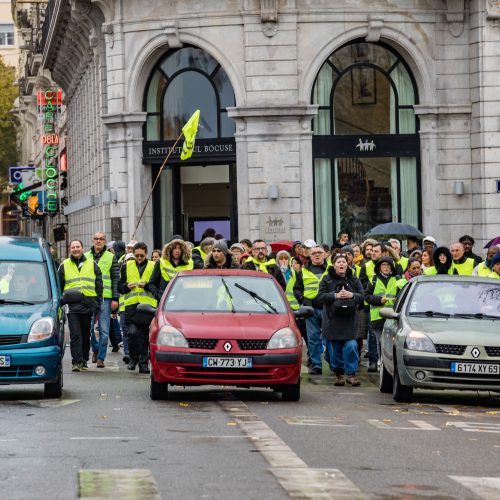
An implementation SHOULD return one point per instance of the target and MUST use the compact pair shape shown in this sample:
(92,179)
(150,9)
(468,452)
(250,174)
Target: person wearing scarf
(443,263)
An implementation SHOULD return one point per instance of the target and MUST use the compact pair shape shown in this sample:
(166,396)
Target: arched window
(183,81)
(366,145)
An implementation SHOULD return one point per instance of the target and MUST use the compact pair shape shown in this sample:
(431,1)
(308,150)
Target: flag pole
(154,183)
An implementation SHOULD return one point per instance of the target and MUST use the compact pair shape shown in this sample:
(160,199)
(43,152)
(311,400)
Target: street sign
(16,174)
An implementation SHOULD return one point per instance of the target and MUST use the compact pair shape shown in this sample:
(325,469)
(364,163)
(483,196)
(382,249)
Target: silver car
(443,333)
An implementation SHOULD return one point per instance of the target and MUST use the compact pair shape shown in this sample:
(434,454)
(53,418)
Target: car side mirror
(304,312)
(389,313)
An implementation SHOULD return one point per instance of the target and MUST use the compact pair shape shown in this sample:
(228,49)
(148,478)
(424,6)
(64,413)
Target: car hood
(226,325)
(17,319)
(457,330)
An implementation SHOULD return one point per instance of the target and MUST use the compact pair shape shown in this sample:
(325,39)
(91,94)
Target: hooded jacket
(231,262)
(158,283)
(439,268)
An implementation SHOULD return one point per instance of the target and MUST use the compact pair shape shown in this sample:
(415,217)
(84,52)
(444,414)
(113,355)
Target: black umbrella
(394,229)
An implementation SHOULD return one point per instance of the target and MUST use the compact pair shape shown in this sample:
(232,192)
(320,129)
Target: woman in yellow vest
(81,273)
(175,257)
(443,263)
(135,275)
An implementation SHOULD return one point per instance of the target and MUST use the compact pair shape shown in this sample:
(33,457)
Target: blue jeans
(101,346)
(344,356)
(372,345)
(314,343)
(124,328)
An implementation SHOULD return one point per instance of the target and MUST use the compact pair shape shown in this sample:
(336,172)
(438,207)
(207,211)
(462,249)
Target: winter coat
(336,326)
(231,262)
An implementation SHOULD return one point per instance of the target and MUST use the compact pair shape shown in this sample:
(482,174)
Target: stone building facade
(324,115)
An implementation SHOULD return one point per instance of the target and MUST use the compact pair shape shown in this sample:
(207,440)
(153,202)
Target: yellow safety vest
(311,283)
(381,290)
(482,270)
(403,262)
(290,296)
(431,271)
(494,275)
(370,269)
(138,295)
(82,279)
(168,271)
(105,263)
(466,268)
(121,299)
(261,265)
(202,253)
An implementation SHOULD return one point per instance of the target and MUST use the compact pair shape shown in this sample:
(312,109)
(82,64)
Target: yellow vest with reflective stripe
(370,269)
(466,268)
(261,265)
(482,270)
(138,295)
(290,296)
(202,253)
(168,271)
(311,283)
(105,263)
(82,279)
(121,299)
(381,290)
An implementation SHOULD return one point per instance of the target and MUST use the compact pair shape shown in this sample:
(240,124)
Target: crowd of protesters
(344,287)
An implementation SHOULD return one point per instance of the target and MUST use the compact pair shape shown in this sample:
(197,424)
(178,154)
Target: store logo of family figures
(275,225)
(366,146)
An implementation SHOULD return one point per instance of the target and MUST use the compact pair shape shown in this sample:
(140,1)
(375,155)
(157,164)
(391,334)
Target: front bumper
(24,361)
(438,374)
(184,368)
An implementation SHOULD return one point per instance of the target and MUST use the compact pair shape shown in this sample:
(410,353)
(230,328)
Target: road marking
(475,426)
(49,403)
(93,438)
(418,425)
(319,421)
(7,440)
(126,484)
(484,487)
(297,479)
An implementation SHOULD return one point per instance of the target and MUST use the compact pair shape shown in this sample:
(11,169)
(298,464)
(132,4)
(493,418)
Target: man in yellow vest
(134,278)
(462,264)
(306,292)
(81,273)
(400,259)
(484,268)
(110,276)
(468,243)
(258,261)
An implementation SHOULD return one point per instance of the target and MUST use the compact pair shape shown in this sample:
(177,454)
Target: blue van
(31,315)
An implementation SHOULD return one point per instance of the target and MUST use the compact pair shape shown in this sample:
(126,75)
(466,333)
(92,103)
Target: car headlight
(417,341)
(168,335)
(41,329)
(283,339)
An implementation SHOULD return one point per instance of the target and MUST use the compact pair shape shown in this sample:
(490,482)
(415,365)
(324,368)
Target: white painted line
(218,437)
(484,487)
(49,403)
(318,421)
(419,425)
(98,438)
(475,426)
(7,440)
(297,479)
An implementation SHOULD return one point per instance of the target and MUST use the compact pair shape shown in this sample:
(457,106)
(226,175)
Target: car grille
(202,343)
(465,379)
(492,351)
(252,345)
(456,350)
(11,339)
(17,371)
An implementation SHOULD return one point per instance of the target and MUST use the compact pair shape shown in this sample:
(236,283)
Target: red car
(225,327)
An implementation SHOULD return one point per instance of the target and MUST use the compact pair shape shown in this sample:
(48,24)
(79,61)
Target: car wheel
(53,390)
(400,393)
(385,381)
(290,392)
(158,390)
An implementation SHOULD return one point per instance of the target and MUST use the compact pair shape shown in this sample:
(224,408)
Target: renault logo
(227,346)
(475,352)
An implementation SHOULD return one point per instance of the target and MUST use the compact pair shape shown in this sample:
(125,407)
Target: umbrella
(494,241)
(281,245)
(394,229)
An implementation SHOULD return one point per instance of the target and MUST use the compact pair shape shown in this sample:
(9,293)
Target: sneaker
(352,380)
(126,359)
(84,366)
(372,367)
(144,369)
(315,371)
(115,349)
(94,357)
(76,367)
(100,363)
(340,381)
(131,366)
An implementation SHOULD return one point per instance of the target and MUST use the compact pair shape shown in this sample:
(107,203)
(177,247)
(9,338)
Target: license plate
(223,362)
(476,368)
(4,361)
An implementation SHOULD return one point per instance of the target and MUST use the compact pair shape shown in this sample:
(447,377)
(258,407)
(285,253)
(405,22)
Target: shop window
(6,35)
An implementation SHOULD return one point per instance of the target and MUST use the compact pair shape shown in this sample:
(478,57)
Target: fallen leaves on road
(231,424)
(184,405)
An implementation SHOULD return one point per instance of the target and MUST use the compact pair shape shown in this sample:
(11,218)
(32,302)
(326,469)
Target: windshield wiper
(9,301)
(257,297)
(431,314)
(229,295)
(475,316)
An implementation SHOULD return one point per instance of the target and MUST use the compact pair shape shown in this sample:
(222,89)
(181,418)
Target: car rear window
(240,294)
(457,298)
(23,281)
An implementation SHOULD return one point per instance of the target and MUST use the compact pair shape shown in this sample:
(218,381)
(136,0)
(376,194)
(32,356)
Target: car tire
(158,391)
(290,392)
(400,393)
(385,382)
(53,390)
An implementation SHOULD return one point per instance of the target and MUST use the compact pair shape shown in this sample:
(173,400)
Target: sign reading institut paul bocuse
(205,150)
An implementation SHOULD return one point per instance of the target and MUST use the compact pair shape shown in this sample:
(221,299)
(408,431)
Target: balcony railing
(46,24)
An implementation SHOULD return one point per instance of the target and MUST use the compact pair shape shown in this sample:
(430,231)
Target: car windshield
(455,299)
(227,294)
(23,282)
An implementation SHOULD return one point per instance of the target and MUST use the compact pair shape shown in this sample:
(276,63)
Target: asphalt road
(107,439)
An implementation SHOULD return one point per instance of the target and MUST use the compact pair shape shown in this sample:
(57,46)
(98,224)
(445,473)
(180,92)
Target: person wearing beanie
(484,268)
(237,249)
(468,242)
(495,266)
(119,249)
(220,257)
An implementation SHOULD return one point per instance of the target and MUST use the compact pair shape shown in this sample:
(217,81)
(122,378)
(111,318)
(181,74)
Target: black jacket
(230,263)
(89,305)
